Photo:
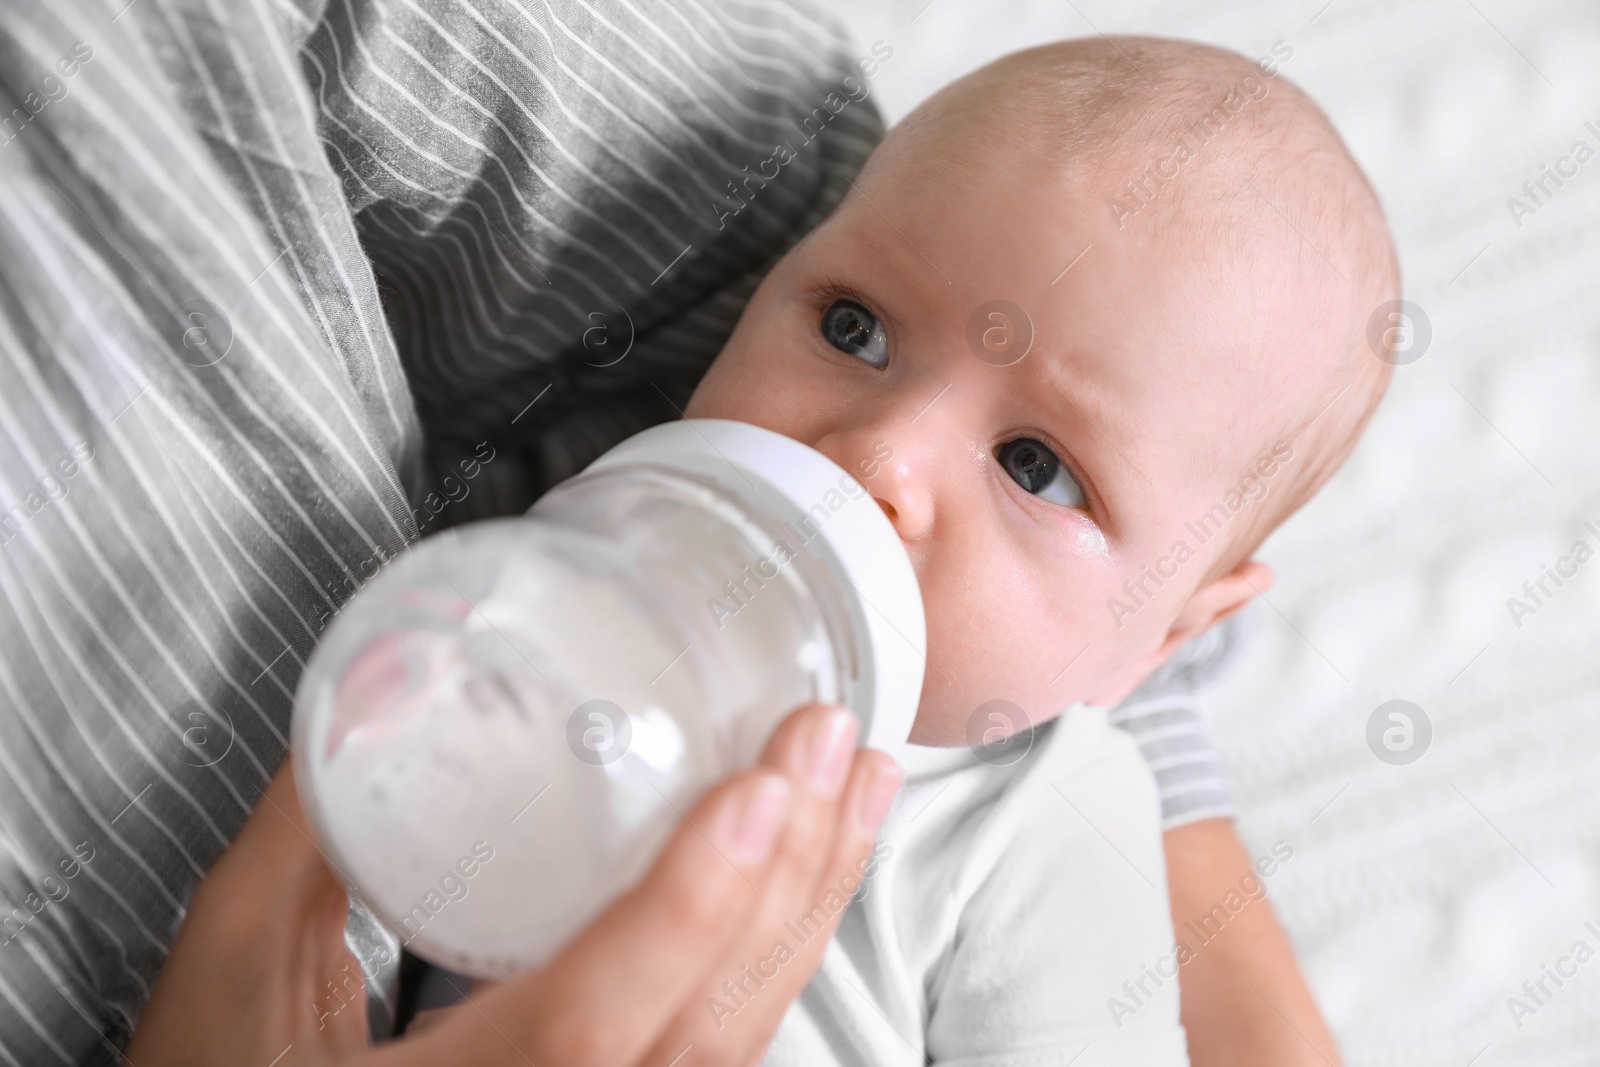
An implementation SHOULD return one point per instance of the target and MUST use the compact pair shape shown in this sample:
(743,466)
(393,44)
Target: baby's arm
(1244,1000)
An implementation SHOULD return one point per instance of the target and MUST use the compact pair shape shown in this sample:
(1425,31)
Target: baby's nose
(891,464)
(905,501)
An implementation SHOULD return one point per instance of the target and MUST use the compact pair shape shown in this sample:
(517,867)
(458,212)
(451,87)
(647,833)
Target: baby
(1103,306)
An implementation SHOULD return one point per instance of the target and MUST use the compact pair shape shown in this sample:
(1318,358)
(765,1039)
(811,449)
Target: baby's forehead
(1213,250)
(1165,133)
(962,221)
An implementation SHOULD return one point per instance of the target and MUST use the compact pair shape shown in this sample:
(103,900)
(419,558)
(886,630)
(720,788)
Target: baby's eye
(1037,469)
(851,328)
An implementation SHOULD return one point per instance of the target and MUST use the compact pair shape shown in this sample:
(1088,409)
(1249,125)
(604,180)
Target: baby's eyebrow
(888,241)
(1087,407)
(1085,403)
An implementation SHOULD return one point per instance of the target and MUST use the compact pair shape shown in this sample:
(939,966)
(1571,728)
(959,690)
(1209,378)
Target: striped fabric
(255,253)
(252,255)
(1163,716)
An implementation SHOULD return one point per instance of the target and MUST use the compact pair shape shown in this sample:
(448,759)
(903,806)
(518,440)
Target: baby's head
(1090,324)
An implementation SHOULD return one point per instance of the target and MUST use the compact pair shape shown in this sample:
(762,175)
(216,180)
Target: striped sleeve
(567,206)
(1164,717)
(285,284)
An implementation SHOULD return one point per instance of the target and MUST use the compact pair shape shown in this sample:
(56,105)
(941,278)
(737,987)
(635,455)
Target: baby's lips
(381,687)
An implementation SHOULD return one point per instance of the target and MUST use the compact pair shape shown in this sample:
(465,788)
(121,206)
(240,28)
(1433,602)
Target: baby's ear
(1214,602)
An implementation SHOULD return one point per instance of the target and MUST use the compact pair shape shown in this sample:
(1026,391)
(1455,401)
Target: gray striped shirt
(255,253)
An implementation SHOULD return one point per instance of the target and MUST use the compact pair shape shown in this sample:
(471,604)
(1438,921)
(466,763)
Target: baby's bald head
(1214,157)
(1078,298)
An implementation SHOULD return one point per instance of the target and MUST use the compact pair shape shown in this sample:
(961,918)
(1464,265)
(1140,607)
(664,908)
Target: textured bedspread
(1423,896)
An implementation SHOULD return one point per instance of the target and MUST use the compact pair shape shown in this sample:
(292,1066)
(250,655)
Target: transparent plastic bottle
(497,734)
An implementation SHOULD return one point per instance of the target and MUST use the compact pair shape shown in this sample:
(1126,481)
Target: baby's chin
(936,733)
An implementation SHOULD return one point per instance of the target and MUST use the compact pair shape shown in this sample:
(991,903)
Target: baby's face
(1025,494)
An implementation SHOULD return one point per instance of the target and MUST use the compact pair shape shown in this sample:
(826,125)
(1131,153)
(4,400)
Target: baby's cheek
(955,680)
(983,646)
(1011,620)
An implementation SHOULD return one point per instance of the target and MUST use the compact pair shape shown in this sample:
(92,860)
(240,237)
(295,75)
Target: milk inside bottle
(496,735)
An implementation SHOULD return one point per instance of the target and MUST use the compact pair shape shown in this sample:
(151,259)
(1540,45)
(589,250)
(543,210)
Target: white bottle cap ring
(838,520)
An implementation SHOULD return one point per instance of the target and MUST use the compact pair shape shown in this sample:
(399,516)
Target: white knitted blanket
(1421,896)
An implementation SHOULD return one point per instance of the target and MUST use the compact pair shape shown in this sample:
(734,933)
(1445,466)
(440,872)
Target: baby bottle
(496,735)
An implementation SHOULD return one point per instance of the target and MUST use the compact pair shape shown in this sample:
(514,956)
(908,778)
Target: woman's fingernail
(832,741)
(747,834)
(876,798)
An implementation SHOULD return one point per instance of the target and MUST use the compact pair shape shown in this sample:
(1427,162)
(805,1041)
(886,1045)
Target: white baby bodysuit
(1007,906)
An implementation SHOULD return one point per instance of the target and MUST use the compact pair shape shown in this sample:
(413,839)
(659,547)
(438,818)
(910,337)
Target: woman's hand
(265,933)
